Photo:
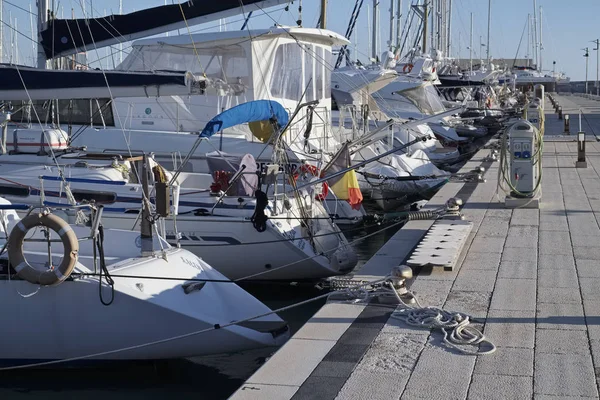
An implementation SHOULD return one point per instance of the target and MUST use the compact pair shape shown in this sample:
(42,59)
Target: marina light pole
(587,57)
(597,41)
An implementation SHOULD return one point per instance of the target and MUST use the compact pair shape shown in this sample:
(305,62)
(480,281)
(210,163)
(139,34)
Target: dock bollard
(560,113)
(581,163)
(567,127)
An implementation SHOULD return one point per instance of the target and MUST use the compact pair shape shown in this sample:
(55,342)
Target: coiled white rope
(455,326)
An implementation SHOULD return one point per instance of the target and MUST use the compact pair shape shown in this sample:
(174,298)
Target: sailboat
(219,216)
(103,294)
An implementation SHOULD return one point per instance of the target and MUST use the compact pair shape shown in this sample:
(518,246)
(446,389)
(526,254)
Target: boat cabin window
(97,197)
(291,78)
(309,73)
(286,79)
(14,190)
(228,63)
(77,112)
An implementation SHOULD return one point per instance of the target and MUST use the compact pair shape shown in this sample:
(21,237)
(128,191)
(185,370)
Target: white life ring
(53,275)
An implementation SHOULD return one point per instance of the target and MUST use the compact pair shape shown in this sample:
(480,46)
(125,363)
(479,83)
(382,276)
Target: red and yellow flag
(344,186)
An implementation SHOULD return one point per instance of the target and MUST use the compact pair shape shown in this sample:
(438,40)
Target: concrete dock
(529,277)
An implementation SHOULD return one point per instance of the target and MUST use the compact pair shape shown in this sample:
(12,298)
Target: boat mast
(121,44)
(487,48)
(541,45)
(528,38)
(535,42)
(449,30)
(43,8)
(471,48)
(398,23)
(392,27)
(375,48)
(323,20)
(425,17)
(1,30)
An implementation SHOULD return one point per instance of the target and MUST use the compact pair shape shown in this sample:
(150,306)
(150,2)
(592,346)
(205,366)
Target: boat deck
(529,277)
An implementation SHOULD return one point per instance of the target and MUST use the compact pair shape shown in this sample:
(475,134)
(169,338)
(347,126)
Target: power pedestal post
(525,157)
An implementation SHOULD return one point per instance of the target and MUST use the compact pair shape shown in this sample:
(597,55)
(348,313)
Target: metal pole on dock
(541,45)
(587,57)
(597,41)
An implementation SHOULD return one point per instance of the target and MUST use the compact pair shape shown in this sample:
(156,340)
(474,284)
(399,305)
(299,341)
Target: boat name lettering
(192,263)
(289,168)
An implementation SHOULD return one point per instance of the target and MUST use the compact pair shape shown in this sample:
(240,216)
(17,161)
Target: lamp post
(587,56)
(597,49)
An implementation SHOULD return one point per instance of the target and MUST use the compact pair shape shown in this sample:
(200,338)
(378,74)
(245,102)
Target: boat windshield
(228,63)
(425,98)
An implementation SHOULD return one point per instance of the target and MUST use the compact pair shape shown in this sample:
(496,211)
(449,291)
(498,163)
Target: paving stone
(334,369)
(567,316)
(525,216)
(431,293)
(584,227)
(519,254)
(556,261)
(552,247)
(482,261)
(588,269)
(552,397)
(450,372)
(558,295)
(491,227)
(319,387)
(522,236)
(369,385)
(556,341)
(252,391)
(587,253)
(503,362)
(564,375)
(514,294)
(330,322)
(554,224)
(501,213)
(585,240)
(590,288)
(393,353)
(475,280)
(500,387)
(487,245)
(303,354)
(474,304)
(553,278)
(517,270)
(511,328)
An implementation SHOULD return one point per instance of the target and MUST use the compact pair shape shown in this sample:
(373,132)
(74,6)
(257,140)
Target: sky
(568,26)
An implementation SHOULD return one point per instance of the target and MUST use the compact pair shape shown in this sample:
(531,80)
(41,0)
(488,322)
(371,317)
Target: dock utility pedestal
(520,170)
